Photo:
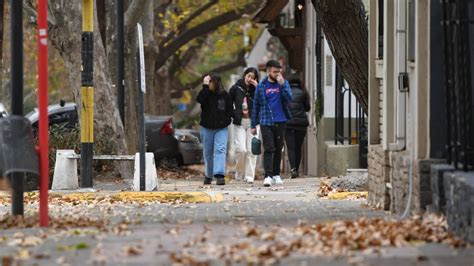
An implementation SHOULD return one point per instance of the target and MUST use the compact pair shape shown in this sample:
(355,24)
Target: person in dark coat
(296,127)
(216,114)
(242,93)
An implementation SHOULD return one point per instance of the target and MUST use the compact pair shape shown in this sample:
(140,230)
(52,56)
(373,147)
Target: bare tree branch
(201,30)
(184,24)
(239,62)
(183,60)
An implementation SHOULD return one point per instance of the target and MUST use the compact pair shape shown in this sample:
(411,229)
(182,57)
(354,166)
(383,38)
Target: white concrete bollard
(151,178)
(65,171)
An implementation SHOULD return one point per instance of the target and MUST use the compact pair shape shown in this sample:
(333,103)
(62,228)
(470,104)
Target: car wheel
(179,160)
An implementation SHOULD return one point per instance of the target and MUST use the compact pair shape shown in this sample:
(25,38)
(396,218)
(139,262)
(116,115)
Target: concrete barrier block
(151,178)
(65,175)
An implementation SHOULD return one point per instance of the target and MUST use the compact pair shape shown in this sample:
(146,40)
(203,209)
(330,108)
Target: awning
(269,12)
(291,38)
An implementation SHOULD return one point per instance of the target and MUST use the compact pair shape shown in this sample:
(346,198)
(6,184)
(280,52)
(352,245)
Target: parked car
(162,138)
(190,146)
(64,114)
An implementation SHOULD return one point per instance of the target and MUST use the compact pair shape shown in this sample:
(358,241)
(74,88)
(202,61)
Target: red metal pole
(43,109)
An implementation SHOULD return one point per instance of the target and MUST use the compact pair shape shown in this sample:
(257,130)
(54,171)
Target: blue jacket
(261,113)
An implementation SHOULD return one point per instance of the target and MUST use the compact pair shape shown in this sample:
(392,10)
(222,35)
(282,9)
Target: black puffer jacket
(237,93)
(216,108)
(299,106)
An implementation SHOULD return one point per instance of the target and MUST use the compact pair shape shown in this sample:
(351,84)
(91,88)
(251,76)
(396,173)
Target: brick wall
(379,176)
(422,193)
(400,174)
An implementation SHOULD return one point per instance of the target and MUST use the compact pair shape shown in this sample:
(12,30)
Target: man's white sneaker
(277,180)
(249,180)
(267,181)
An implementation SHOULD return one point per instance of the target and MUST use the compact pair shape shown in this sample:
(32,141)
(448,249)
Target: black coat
(216,108)
(299,106)
(237,93)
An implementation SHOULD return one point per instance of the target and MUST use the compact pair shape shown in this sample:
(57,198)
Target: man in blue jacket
(271,111)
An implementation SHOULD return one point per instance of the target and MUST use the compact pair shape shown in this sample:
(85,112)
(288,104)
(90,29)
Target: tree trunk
(65,36)
(163,92)
(3,93)
(151,48)
(346,30)
(102,20)
(111,37)
(131,100)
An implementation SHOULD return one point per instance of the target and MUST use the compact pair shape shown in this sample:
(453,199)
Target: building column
(421,92)
(388,74)
(374,112)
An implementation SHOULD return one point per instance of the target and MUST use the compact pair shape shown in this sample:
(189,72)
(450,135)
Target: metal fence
(457,21)
(345,131)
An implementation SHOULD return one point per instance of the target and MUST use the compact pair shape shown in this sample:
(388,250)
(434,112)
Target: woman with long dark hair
(296,127)
(241,94)
(216,114)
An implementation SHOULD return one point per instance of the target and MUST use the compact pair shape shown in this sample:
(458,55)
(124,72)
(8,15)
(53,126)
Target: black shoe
(220,180)
(294,173)
(207,180)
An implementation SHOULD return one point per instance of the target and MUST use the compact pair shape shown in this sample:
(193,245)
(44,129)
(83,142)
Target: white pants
(244,159)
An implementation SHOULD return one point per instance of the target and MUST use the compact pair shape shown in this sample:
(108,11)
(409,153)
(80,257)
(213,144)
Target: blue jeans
(215,149)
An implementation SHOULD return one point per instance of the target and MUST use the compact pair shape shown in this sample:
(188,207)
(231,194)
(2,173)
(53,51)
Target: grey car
(190,146)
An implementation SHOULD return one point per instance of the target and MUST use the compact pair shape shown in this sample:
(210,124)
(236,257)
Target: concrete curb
(132,196)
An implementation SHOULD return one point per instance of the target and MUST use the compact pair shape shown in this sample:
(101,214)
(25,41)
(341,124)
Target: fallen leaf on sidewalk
(173,231)
(22,254)
(347,195)
(324,189)
(78,246)
(28,241)
(175,172)
(56,222)
(186,221)
(132,250)
(41,256)
(60,260)
(369,235)
(7,261)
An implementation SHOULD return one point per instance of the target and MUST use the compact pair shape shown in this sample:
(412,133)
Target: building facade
(420,108)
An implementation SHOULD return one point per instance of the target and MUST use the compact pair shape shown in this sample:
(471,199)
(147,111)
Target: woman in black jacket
(296,127)
(216,115)
(241,94)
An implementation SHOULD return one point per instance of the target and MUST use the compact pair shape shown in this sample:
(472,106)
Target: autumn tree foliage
(182,38)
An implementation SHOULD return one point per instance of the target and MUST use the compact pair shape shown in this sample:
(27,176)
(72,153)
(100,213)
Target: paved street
(147,234)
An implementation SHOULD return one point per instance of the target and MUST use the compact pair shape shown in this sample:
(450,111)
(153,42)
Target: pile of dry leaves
(60,222)
(174,172)
(326,191)
(263,245)
(88,199)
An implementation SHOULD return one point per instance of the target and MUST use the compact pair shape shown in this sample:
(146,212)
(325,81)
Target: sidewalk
(150,233)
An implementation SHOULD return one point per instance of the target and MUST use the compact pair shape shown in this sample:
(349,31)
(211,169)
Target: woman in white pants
(242,93)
